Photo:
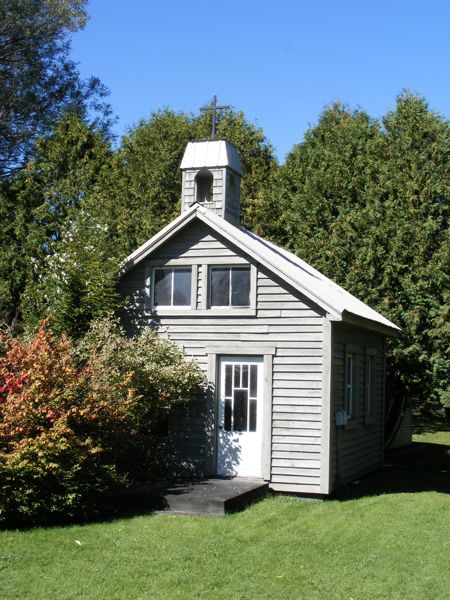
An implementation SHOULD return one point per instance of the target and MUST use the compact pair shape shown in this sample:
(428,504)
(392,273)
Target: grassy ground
(378,543)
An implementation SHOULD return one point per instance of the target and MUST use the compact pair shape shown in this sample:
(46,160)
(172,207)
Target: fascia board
(391,330)
(154,242)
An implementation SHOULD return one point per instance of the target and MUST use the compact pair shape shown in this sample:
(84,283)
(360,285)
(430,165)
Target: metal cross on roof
(213,107)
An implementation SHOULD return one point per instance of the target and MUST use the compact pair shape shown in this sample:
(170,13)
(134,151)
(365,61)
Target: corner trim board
(327,409)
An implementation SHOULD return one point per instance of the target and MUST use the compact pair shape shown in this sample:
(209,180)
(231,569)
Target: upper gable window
(204,184)
(172,287)
(229,286)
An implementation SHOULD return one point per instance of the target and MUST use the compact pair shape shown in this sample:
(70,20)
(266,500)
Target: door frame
(214,352)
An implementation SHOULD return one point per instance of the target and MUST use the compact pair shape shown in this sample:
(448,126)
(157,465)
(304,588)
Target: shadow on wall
(419,467)
(191,448)
(228,454)
(132,314)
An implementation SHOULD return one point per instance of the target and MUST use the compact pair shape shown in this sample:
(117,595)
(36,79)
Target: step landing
(212,497)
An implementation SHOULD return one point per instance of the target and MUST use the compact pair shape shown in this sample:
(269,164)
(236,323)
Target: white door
(240,416)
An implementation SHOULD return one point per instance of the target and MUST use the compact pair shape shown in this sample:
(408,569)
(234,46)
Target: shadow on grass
(420,467)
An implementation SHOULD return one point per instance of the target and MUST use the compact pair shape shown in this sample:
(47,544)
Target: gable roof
(337,302)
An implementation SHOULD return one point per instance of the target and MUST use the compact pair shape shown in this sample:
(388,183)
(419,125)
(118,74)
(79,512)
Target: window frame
(172,305)
(166,309)
(370,357)
(199,290)
(230,307)
(351,350)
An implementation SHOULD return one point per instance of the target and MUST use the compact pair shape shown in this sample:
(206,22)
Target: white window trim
(162,310)
(351,350)
(227,310)
(200,272)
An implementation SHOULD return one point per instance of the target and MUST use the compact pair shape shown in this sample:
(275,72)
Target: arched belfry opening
(204,186)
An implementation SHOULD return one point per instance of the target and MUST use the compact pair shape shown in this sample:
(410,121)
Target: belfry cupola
(212,177)
(212,173)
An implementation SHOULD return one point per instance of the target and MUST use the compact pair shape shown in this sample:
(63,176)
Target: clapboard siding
(403,437)
(282,318)
(357,447)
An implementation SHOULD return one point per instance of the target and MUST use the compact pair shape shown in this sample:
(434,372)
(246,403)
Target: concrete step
(213,497)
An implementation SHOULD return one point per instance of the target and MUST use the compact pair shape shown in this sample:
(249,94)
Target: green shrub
(147,376)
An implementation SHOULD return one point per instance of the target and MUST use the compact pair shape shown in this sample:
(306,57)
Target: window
(370,384)
(172,287)
(350,385)
(229,286)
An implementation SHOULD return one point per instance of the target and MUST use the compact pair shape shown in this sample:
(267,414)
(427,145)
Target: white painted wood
(296,421)
(211,451)
(239,453)
(266,451)
(294,431)
(312,376)
(327,413)
(294,472)
(296,384)
(324,293)
(205,329)
(301,364)
(301,352)
(210,153)
(295,478)
(358,448)
(294,462)
(296,488)
(303,395)
(247,349)
(286,446)
(307,410)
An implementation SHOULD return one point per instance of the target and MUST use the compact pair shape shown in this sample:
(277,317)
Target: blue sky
(279,61)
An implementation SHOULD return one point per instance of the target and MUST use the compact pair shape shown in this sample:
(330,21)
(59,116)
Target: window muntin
(350,385)
(172,287)
(241,393)
(370,384)
(229,286)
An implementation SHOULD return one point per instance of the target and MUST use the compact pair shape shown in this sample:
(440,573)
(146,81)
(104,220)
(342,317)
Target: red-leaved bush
(76,423)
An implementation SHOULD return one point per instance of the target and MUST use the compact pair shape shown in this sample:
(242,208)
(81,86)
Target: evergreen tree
(367,203)
(64,233)
(38,80)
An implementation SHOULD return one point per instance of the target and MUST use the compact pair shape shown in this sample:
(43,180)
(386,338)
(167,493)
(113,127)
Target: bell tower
(212,177)
(212,173)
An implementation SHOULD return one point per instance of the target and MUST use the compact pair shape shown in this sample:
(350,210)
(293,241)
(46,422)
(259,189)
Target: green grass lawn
(386,546)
